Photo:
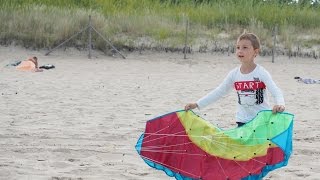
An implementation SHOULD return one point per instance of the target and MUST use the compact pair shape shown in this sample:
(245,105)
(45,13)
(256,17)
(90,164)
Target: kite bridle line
(164,136)
(165,146)
(173,152)
(171,167)
(154,148)
(196,136)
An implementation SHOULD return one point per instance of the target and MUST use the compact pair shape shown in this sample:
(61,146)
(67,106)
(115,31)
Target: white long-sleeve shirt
(251,91)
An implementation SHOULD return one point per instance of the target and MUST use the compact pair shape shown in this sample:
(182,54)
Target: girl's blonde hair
(251,37)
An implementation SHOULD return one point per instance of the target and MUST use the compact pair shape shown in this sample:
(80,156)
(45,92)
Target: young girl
(250,82)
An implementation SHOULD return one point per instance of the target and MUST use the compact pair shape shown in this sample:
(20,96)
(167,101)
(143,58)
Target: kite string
(222,145)
(170,166)
(175,134)
(166,135)
(165,146)
(183,152)
(249,172)
(162,128)
(242,167)
(230,147)
(237,152)
(204,136)
(216,135)
(216,142)
(195,136)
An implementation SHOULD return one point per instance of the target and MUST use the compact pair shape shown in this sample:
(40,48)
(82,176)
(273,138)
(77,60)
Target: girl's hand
(190,106)
(278,108)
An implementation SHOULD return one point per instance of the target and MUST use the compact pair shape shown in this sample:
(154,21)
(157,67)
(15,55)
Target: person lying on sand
(30,64)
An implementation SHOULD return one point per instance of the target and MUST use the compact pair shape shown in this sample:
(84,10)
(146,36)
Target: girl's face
(245,51)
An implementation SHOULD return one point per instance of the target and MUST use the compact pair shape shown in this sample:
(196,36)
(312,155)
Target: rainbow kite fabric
(186,147)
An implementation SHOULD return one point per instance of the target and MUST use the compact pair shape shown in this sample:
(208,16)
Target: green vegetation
(158,23)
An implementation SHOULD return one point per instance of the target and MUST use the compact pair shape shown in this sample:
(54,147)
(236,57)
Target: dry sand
(82,119)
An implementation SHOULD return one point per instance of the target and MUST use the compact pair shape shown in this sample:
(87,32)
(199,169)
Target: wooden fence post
(274,34)
(186,40)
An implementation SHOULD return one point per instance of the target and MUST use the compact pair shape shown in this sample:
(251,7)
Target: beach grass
(156,23)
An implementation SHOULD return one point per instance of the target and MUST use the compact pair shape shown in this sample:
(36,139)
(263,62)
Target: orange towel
(26,66)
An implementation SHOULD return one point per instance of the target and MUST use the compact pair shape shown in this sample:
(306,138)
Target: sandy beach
(82,119)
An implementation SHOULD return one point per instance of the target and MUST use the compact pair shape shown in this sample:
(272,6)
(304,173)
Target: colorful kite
(186,147)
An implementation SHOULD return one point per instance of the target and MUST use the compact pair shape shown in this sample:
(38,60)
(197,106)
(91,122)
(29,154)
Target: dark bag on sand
(15,63)
(47,66)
